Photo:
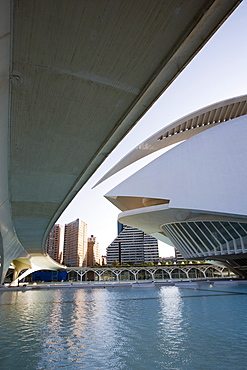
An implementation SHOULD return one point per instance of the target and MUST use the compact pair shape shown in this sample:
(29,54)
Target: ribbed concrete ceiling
(82,74)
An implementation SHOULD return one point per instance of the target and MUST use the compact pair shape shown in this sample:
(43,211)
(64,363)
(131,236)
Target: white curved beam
(183,129)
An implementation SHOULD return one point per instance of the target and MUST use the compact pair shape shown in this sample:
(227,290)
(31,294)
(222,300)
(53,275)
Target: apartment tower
(93,251)
(54,243)
(75,244)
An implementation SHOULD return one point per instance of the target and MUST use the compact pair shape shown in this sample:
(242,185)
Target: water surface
(174,328)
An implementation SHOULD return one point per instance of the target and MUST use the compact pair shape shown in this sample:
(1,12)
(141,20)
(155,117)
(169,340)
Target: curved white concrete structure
(75,78)
(183,129)
(195,194)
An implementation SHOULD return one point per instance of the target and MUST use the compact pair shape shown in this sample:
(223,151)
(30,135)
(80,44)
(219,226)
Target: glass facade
(132,246)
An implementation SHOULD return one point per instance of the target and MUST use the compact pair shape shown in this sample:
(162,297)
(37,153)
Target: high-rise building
(132,246)
(178,256)
(75,244)
(54,243)
(93,251)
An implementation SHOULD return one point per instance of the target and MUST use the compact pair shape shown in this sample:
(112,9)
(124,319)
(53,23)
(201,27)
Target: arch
(126,274)
(108,275)
(213,272)
(161,274)
(91,275)
(195,273)
(76,275)
(143,274)
(227,273)
(178,274)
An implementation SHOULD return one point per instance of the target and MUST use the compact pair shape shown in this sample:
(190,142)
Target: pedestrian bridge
(154,273)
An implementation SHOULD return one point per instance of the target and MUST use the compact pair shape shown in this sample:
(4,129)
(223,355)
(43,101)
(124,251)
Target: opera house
(194,195)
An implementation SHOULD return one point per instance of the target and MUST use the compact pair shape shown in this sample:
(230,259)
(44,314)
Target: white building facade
(194,195)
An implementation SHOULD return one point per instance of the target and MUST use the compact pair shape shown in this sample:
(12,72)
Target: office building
(132,246)
(75,244)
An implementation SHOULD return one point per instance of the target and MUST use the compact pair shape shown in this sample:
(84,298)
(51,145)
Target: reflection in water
(123,328)
(54,333)
(172,326)
(83,329)
(23,317)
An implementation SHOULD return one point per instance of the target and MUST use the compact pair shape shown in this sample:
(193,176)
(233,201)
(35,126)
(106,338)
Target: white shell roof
(183,129)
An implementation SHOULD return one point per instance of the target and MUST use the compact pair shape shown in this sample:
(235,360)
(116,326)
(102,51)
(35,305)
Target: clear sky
(217,73)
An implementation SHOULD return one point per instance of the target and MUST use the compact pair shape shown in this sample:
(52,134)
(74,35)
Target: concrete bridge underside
(75,78)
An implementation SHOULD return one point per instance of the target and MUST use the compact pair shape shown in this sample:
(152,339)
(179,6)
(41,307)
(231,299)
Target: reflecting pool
(168,327)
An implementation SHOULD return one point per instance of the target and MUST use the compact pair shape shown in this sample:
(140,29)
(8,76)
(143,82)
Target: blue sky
(217,73)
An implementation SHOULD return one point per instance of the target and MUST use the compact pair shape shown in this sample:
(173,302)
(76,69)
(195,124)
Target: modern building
(194,195)
(54,243)
(178,256)
(67,98)
(93,251)
(132,246)
(75,244)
